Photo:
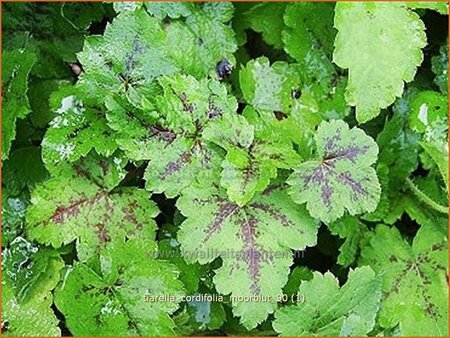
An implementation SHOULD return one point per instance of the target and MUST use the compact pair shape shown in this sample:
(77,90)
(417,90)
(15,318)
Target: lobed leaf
(251,162)
(341,178)
(87,213)
(254,242)
(77,129)
(414,279)
(389,39)
(329,310)
(111,300)
(183,112)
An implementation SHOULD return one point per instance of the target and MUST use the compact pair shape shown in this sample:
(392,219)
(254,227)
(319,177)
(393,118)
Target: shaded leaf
(353,232)
(267,18)
(440,6)
(16,66)
(439,66)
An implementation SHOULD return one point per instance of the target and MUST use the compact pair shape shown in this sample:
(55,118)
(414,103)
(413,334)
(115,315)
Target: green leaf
(198,43)
(288,89)
(190,274)
(76,130)
(23,170)
(126,6)
(72,207)
(297,275)
(137,48)
(16,66)
(127,58)
(427,108)
(57,32)
(13,215)
(439,153)
(39,95)
(269,87)
(206,314)
(429,116)
(267,18)
(32,318)
(172,10)
(309,37)
(424,215)
(250,163)
(341,178)
(398,143)
(439,66)
(330,310)
(184,110)
(353,232)
(32,271)
(112,300)
(414,279)
(29,274)
(388,39)
(440,6)
(254,242)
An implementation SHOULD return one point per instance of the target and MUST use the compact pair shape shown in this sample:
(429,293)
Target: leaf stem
(425,198)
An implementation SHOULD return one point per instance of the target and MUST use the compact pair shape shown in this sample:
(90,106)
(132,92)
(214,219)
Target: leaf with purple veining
(341,178)
(72,207)
(254,242)
(171,137)
(414,279)
(253,156)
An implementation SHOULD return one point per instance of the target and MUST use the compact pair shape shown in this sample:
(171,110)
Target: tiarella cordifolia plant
(290,158)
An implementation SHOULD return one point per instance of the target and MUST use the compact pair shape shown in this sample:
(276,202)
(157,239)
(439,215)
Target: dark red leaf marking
(213,111)
(415,266)
(252,254)
(326,193)
(276,214)
(224,212)
(102,234)
(130,216)
(63,213)
(248,174)
(188,107)
(332,144)
(319,177)
(105,167)
(348,154)
(175,166)
(348,180)
(163,134)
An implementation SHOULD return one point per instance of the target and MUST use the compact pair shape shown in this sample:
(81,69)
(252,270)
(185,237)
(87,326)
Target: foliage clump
(287,160)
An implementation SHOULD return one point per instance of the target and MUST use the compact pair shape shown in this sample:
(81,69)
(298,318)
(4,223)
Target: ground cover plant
(225,168)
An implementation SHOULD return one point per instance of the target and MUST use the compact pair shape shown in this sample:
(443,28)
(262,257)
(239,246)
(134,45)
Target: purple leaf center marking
(252,254)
